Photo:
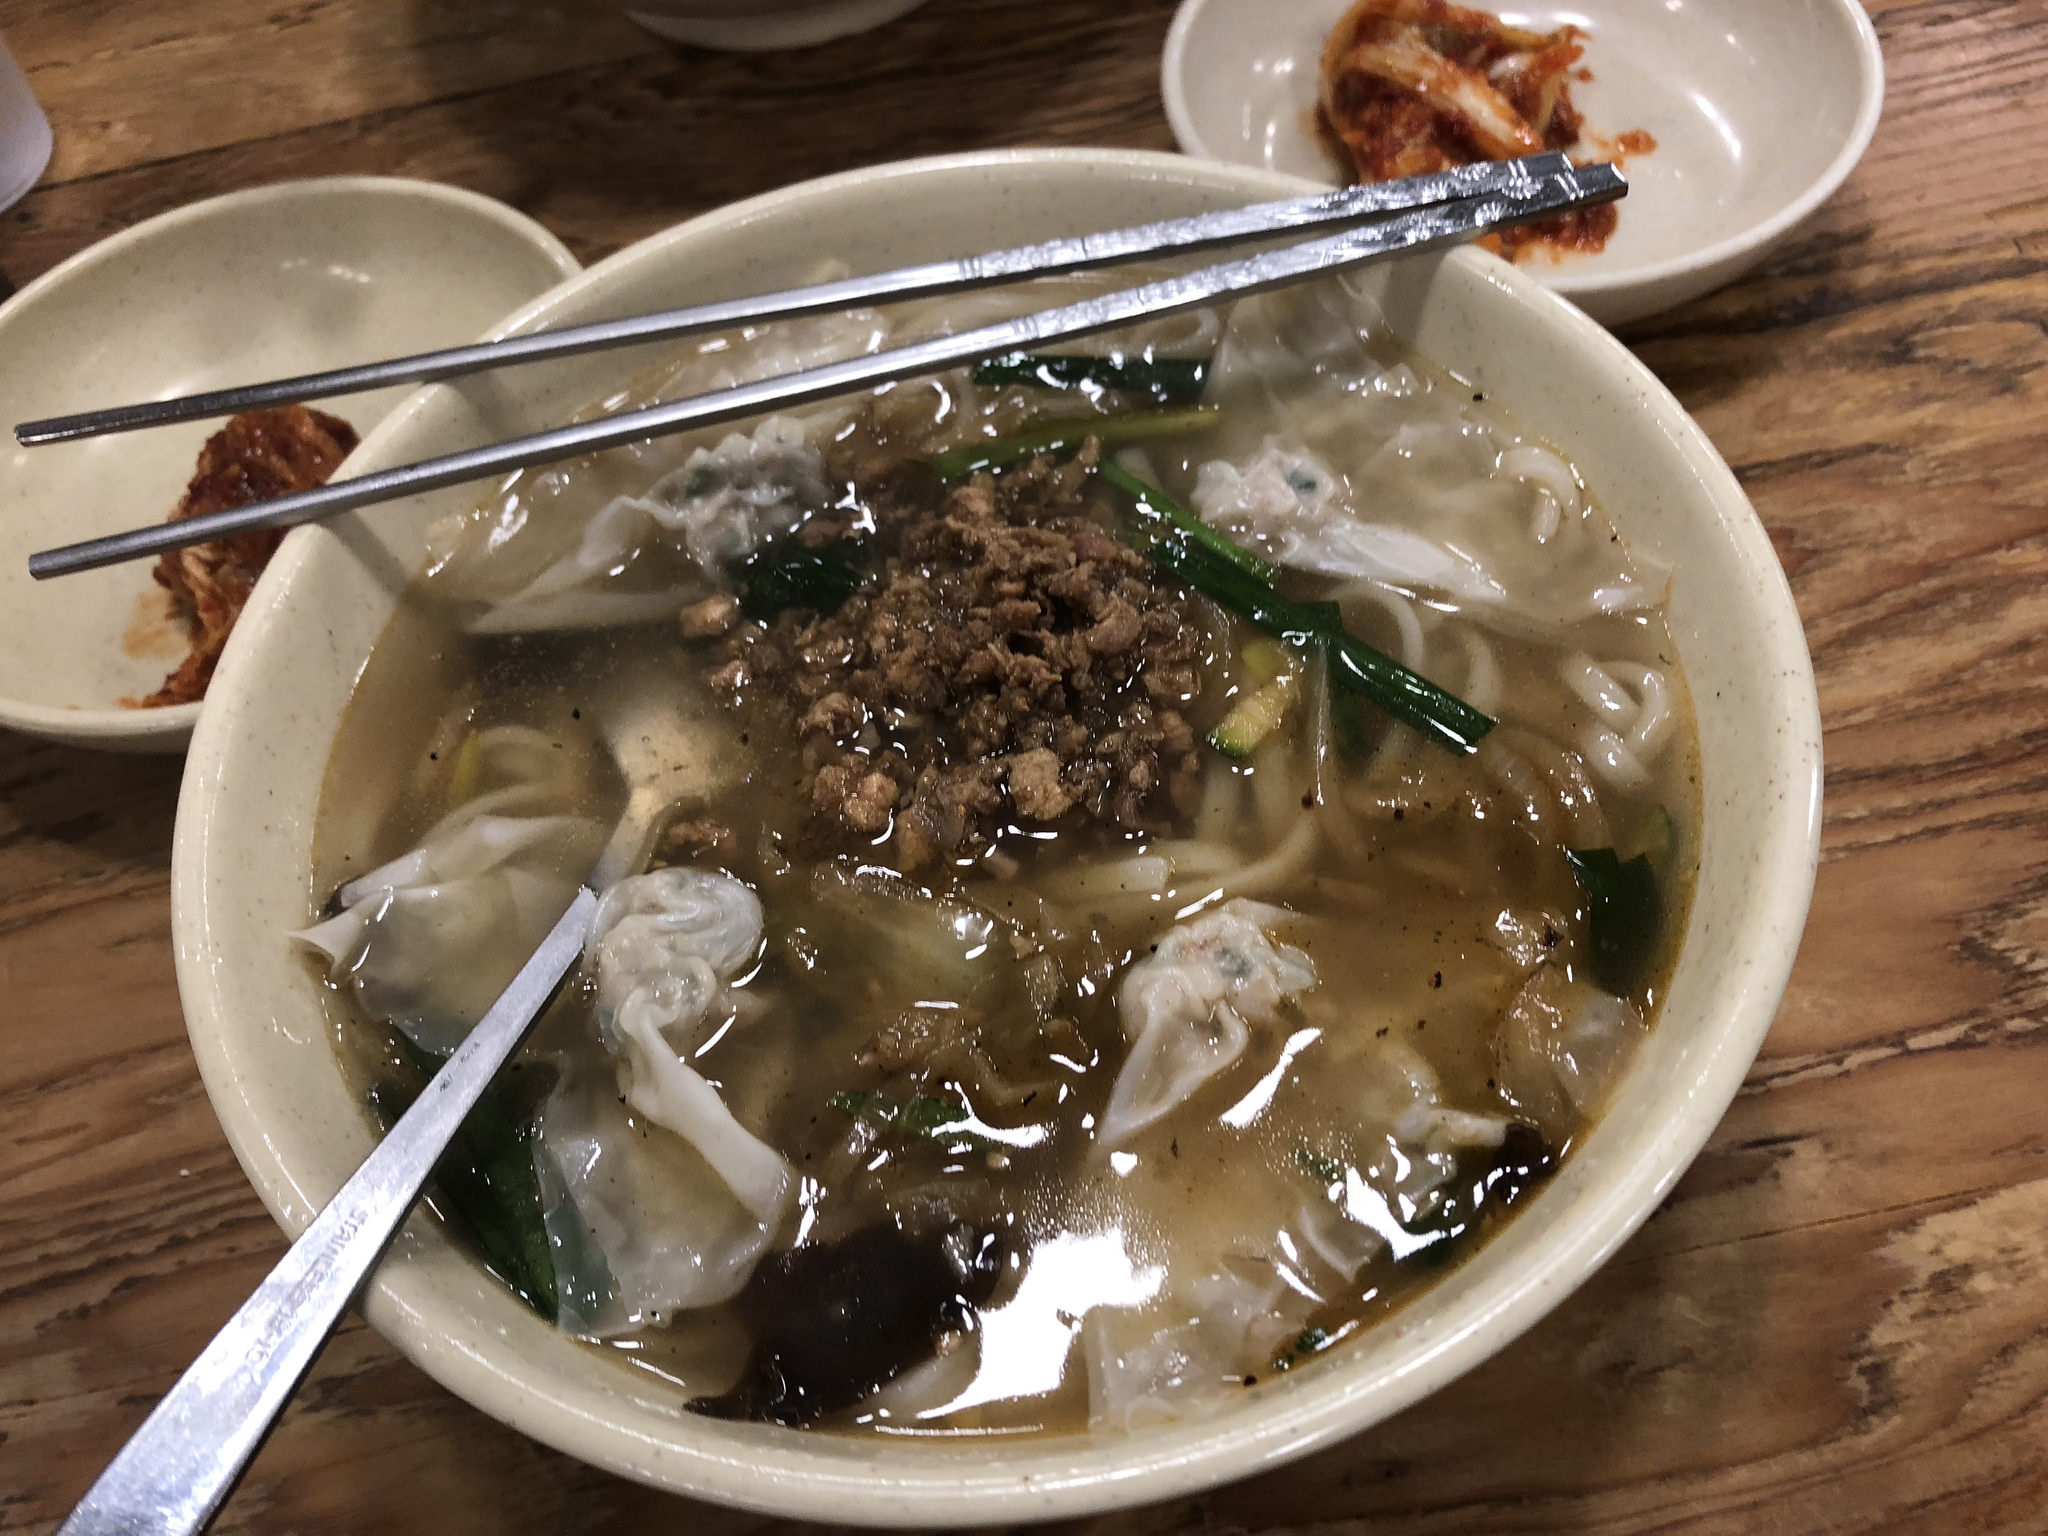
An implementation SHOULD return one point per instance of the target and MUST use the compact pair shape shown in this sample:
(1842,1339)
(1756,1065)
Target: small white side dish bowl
(1760,109)
(241,872)
(279,280)
(758,26)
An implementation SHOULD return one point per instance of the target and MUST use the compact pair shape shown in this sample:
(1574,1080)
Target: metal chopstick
(1424,230)
(1109,248)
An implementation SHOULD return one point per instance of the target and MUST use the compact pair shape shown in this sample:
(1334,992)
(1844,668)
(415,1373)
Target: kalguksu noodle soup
(1183,838)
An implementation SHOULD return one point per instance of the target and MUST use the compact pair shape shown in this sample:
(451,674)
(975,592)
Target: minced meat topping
(1007,662)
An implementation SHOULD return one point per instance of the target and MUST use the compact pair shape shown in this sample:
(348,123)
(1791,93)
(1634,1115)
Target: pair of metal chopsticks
(1406,217)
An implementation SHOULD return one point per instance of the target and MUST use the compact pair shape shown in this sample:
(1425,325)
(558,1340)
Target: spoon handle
(178,1468)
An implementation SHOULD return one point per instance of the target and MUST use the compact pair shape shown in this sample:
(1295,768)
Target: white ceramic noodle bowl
(1760,109)
(241,873)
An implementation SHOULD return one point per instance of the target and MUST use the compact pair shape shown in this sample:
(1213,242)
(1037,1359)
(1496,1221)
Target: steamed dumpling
(1562,1045)
(1292,507)
(663,949)
(1450,505)
(640,1226)
(430,939)
(663,1202)
(720,507)
(1185,1008)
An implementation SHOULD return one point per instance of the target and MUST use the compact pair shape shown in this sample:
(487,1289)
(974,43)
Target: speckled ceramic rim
(1173,87)
(171,724)
(467,1332)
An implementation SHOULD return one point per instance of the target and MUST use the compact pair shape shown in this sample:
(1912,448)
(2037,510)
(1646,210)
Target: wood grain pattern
(1839,1320)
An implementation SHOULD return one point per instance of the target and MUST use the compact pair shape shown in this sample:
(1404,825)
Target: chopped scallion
(1657,838)
(787,575)
(1408,696)
(923,1116)
(1162,515)
(1308,1342)
(1625,912)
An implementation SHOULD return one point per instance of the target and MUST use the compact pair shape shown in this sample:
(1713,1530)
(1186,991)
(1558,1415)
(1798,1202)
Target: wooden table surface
(1839,1320)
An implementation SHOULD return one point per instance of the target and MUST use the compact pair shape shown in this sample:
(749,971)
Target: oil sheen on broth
(1064,996)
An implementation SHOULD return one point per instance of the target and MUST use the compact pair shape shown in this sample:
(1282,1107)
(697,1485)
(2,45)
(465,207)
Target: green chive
(1625,912)
(1408,696)
(787,575)
(1158,511)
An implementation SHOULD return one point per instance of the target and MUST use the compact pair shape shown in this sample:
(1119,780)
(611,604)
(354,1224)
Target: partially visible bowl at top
(278,280)
(1760,109)
(257,1013)
(758,26)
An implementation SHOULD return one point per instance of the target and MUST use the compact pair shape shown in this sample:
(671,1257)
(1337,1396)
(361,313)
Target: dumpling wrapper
(1446,505)
(1291,507)
(663,948)
(1562,1045)
(1185,1009)
(720,506)
(639,1225)
(429,940)
(665,1202)
(1173,1358)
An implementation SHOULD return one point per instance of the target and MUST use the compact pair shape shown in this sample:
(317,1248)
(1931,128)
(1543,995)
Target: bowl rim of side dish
(1633,292)
(260,1050)
(167,728)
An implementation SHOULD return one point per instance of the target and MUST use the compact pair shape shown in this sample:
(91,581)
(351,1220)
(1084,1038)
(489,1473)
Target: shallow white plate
(256,1009)
(1759,108)
(280,280)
